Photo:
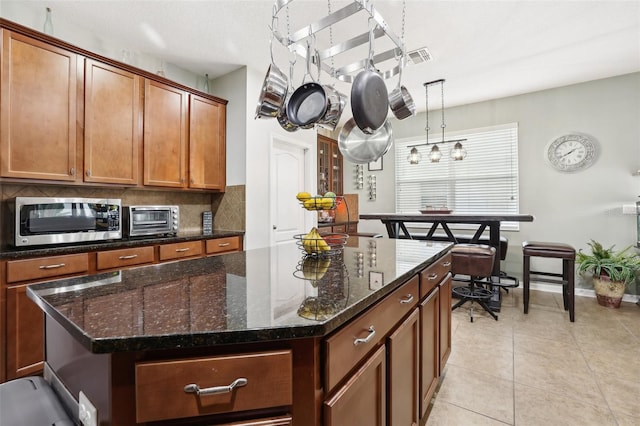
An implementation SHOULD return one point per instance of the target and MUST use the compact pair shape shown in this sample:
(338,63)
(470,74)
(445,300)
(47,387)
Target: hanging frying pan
(308,103)
(359,147)
(369,97)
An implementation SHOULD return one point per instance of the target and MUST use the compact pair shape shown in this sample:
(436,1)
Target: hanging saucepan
(283,118)
(400,101)
(308,103)
(274,88)
(336,102)
(369,98)
(359,147)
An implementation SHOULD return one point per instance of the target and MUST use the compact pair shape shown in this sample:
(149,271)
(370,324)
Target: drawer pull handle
(432,277)
(224,244)
(131,256)
(182,250)
(446,264)
(237,383)
(408,299)
(57,265)
(372,332)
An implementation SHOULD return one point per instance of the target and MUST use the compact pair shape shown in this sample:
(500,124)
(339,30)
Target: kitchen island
(267,335)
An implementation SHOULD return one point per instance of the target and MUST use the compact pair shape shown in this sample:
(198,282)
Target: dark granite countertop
(16,253)
(257,295)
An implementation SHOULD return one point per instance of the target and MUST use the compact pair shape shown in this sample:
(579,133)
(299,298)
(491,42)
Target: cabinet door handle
(372,332)
(432,277)
(237,383)
(57,265)
(446,264)
(130,256)
(407,299)
(182,250)
(224,244)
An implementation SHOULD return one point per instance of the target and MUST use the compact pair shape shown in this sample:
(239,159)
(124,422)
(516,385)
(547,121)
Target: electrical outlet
(87,413)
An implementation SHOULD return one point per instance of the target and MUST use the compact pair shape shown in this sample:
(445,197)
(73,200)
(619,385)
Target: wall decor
(571,153)
(375,165)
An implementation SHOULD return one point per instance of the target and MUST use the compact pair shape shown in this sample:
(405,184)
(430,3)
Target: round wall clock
(571,153)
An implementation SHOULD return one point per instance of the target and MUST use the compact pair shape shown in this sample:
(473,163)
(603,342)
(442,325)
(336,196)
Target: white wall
(570,208)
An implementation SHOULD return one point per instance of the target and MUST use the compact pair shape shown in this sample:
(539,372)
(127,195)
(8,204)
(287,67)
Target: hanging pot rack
(296,41)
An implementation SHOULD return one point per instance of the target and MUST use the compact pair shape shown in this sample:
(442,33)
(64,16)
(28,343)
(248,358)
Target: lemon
(327,203)
(303,196)
(310,204)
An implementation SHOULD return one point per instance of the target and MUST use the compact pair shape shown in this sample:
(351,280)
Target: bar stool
(566,278)
(476,261)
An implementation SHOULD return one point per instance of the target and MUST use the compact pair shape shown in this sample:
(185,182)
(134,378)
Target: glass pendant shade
(435,154)
(414,156)
(458,152)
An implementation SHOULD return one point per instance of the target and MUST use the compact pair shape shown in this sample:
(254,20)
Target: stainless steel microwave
(45,220)
(151,220)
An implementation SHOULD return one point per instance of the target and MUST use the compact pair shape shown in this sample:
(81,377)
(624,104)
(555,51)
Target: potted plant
(611,270)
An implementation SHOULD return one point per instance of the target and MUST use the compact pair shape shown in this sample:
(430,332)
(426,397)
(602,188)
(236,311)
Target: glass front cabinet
(330,166)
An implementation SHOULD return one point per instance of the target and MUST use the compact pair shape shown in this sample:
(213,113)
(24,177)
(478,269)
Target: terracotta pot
(609,293)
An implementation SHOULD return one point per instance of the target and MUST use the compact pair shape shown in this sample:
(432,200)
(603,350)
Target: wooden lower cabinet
(403,348)
(444,346)
(25,334)
(363,399)
(429,351)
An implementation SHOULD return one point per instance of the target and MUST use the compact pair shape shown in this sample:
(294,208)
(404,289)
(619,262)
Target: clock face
(571,153)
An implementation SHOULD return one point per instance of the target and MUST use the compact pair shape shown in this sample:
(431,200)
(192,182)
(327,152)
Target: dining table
(398,225)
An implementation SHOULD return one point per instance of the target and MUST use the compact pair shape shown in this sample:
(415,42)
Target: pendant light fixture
(457,153)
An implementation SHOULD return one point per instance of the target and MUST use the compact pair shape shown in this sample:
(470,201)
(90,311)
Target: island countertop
(257,295)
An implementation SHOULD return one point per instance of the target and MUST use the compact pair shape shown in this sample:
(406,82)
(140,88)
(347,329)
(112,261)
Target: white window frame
(464,186)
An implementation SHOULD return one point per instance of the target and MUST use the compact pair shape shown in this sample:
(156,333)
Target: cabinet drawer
(160,385)
(431,276)
(124,257)
(342,351)
(223,245)
(46,267)
(180,250)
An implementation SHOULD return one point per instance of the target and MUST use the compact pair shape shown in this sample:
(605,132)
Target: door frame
(310,181)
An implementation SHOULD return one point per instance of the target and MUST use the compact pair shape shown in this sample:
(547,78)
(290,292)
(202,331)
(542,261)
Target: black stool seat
(476,261)
(553,250)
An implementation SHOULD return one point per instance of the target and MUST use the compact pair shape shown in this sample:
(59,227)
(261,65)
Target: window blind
(485,182)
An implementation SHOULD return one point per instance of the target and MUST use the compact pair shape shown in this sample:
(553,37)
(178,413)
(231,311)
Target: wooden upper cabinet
(37,109)
(207,154)
(165,135)
(112,124)
(330,166)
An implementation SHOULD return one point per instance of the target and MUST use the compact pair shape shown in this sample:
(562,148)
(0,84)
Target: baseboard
(550,288)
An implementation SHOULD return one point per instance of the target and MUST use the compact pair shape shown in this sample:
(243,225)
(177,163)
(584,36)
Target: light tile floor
(541,369)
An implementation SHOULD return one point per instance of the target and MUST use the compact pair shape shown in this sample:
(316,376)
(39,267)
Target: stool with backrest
(566,278)
(476,261)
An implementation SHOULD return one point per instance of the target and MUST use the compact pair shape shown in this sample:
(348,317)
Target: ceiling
(484,49)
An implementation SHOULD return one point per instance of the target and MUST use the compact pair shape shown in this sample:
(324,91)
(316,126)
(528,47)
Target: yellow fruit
(327,203)
(303,196)
(310,204)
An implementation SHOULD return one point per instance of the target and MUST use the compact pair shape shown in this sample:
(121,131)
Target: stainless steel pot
(400,101)
(359,147)
(336,103)
(273,93)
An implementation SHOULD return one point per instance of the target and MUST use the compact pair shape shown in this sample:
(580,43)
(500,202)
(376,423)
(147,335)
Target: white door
(290,164)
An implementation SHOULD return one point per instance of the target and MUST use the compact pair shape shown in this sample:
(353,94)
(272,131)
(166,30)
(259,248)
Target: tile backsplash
(228,208)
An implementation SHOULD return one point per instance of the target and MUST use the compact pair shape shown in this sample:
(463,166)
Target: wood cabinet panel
(124,257)
(46,267)
(160,393)
(180,250)
(403,373)
(207,156)
(343,354)
(37,110)
(223,245)
(25,334)
(429,349)
(363,398)
(430,277)
(273,421)
(445,322)
(112,124)
(165,135)
(330,166)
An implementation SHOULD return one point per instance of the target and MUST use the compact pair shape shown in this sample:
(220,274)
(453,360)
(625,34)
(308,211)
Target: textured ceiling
(484,49)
